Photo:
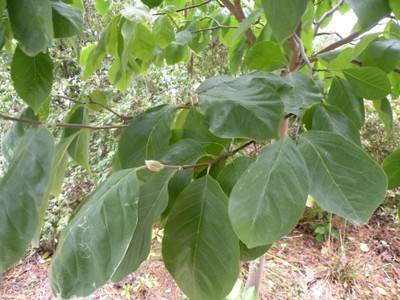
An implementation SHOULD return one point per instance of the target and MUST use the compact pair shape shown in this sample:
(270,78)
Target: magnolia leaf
(200,249)
(382,54)
(391,166)
(343,179)
(368,82)
(147,137)
(67,20)
(32,77)
(95,241)
(22,190)
(247,254)
(385,113)
(342,95)
(79,147)
(163,32)
(276,200)
(369,12)
(32,25)
(235,110)
(283,16)
(102,6)
(265,56)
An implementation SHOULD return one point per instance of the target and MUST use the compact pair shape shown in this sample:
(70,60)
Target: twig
(326,16)
(341,42)
(304,55)
(236,9)
(185,8)
(329,33)
(214,28)
(123,117)
(64,125)
(210,163)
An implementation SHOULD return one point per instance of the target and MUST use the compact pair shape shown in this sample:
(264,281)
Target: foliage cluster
(218,169)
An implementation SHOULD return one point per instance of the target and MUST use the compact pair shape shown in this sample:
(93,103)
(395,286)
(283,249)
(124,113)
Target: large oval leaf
(269,198)
(67,20)
(97,238)
(265,56)
(369,82)
(146,137)
(342,95)
(234,110)
(200,249)
(369,12)
(383,54)
(344,179)
(32,76)
(284,16)
(391,166)
(31,24)
(22,190)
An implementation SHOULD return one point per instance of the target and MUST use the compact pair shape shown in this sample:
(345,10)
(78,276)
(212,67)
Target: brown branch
(123,117)
(185,8)
(326,16)
(236,9)
(210,163)
(33,122)
(341,42)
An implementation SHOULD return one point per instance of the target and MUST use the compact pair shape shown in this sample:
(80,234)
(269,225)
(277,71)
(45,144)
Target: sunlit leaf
(369,12)
(382,54)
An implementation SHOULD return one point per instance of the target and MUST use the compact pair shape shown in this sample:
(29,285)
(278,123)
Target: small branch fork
(326,16)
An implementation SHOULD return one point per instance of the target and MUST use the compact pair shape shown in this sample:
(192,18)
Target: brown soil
(363,264)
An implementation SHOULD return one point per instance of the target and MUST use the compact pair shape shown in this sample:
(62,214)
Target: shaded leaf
(343,179)
(391,166)
(265,56)
(22,190)
(200,249)
(32,77)
(96,239)
(342,95)
(67,20)
(146,137)
(36,35)
(247,254)
(368,82)
(276,200)
(382,54)
(233,110)
(385,113)
(331,118)
(284,16)
(163,32)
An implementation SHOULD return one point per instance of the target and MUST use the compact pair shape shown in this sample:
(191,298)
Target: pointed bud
(154,165)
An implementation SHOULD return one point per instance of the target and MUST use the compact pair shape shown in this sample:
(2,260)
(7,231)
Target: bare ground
(363,264)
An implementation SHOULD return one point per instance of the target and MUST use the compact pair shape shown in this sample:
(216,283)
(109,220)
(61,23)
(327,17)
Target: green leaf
(59,165)
(331,118)
(200,249)
(246,24)
(342,95)
(391,167)
(142,44)
(304,93)
(146,137)
(395,6)
(175,52)
(265,56)
(102,6)
(383,54)
(155,194)
(231,173)
(163,32)
(152,3)
(368,82)
(99,97)
(235,54)
(32,25)
(79,148)
(339,59)
(235,110)
(344,179)
(67,20)
(22,190)
(284,16)
(269,198)
(95,241)
(363,44)
(369,12)
(385,113)
(32,77)
(247,254)
(12,138)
